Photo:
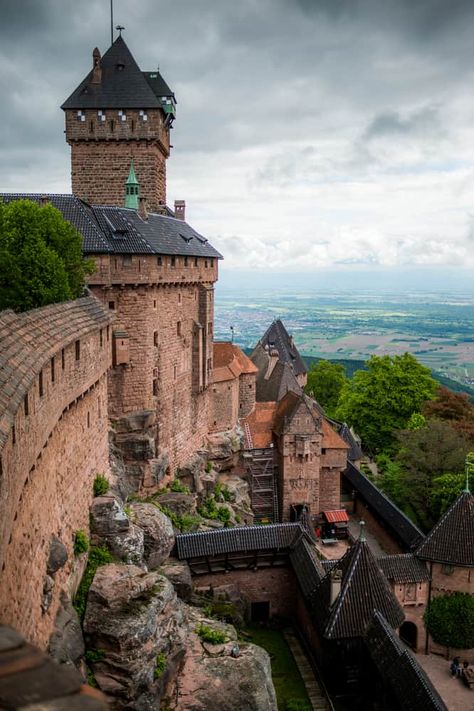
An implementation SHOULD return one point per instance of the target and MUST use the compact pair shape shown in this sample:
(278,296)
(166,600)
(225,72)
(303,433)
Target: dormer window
(81,116)
(143,115)
(101,115)
(122,115)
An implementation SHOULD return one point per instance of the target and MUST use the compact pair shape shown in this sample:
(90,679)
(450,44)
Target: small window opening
(112,125)
(13,434)
(26,405)
(175,372)
(178,328)
(126,260)
(40,383)
(78,350)
(159,261)
(63,359)
(108,332)
(52,370)
(154,303)
(112,305)
(205,263)
(179,297)
(155,338)
(155,386)
(91,126)
(173,261)
(185,261)
(101,338)
(88,419)
(195,261)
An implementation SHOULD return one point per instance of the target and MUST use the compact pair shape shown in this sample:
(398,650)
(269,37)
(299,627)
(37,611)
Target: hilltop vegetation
(40,257)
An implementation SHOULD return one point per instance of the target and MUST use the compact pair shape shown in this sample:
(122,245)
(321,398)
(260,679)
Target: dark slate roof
(399,669)
(364,589)
(281,381)
(121,230)
(307,567)
(276,336)
(123,85)
(287,408)
(408,534)
(241,538)
(355,450)
(403,568)
(451,541)
(28,340)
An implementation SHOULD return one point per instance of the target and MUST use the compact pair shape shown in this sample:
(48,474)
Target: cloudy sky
(310,133)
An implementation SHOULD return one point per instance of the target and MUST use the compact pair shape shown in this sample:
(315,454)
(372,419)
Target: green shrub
(81,542)
(101,485)
(223,515)
(160,665)
(179,488)
(207,634)
(208,467)
(223,610)
(97,556)
(94,655)
(450,620)
(183,522)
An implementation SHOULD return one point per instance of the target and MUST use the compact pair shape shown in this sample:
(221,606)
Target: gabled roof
(400,669)
(364,589)
(230,362)
(277,337)
(393,518)
(120,230)
(281,381)
(122,86)
(331,439)
(451,541)
(240,538)
(260,423)
(403,568)
(289,406)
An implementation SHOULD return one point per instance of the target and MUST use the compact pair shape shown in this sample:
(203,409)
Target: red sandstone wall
(447,581)
(247,393)
(48,473)
(413,598)
(385,539)
(274,585)
(225,405)
(100,156)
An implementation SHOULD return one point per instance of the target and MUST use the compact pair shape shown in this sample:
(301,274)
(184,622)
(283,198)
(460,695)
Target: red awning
(339,516)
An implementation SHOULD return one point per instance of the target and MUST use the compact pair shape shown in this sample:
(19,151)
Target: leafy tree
(445,490)
(450,620)
(40,256)
(382,399)
(325,382)
(455,408)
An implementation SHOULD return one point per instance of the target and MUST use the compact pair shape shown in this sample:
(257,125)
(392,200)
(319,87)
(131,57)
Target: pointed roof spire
(132,189)
(362,537)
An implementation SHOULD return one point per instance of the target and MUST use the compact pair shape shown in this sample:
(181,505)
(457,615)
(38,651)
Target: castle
(138,350)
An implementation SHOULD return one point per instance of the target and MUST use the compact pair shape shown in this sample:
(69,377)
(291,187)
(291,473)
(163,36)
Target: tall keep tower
(116,114)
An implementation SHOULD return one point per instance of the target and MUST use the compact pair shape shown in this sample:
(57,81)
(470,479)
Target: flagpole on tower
(111,22)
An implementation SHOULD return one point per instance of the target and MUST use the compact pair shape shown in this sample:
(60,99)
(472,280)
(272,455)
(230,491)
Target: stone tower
(118,114)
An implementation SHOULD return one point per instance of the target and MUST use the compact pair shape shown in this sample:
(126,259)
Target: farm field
(437,328)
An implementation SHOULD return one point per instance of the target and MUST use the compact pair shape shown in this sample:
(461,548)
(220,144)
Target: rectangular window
(178,328)
(155,387)
(155,338)
(126,260)
(52,370)
(78,350)
(40,383)
(159,261)
(185,261)
(112,305)
(175,372)
(63,359)
(205,263)
(195,261)
(13,434)
(173,261)
(108,332)
(212,262)
(88,419)
(101,338)
(179,297)
(26,405)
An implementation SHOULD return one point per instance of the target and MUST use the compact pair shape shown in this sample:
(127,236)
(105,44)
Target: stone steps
(316,696)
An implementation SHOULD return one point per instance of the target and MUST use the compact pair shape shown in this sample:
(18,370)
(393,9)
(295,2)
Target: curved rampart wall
(53,442)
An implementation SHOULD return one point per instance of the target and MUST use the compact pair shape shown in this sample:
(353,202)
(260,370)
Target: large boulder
(158,532)
(66,644)
(135,625)
(179,575)
(57,557)
(179,503)
(190,474)
(110,525)
(224,677)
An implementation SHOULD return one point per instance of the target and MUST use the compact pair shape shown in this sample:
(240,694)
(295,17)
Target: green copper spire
(132,189)
(469,469)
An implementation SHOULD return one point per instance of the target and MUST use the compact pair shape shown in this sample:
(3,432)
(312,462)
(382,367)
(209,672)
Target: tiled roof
(403,568)
(364,589)
(289,405)
(29,678)
(241,538)
(28,340)
(400,669)
(406,531)
(260,422)
(331,440)
(451,541)
(230,362)
(276,336)
(281,380)
(123,85)
(120,230)
(307,567)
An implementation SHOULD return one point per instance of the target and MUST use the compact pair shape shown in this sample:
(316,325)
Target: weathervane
(119,28)
(232,331)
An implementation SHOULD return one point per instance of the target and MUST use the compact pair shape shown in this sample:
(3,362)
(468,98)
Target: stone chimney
(180,209)
(142,211)
(44,200)
(96,68)
(273,357)
(336,579)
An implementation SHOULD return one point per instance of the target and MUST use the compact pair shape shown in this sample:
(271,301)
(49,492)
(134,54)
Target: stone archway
(409,634)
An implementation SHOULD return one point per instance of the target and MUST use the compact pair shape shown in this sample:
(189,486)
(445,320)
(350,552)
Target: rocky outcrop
(135,629)
(179,575)
(223,677)
(111,526)
(178,503)
(57,555)
(66,644)
(158,533)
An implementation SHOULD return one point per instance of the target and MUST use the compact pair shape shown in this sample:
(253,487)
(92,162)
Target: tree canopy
(325,382)
(40,256)
(450,620)
(383,398)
